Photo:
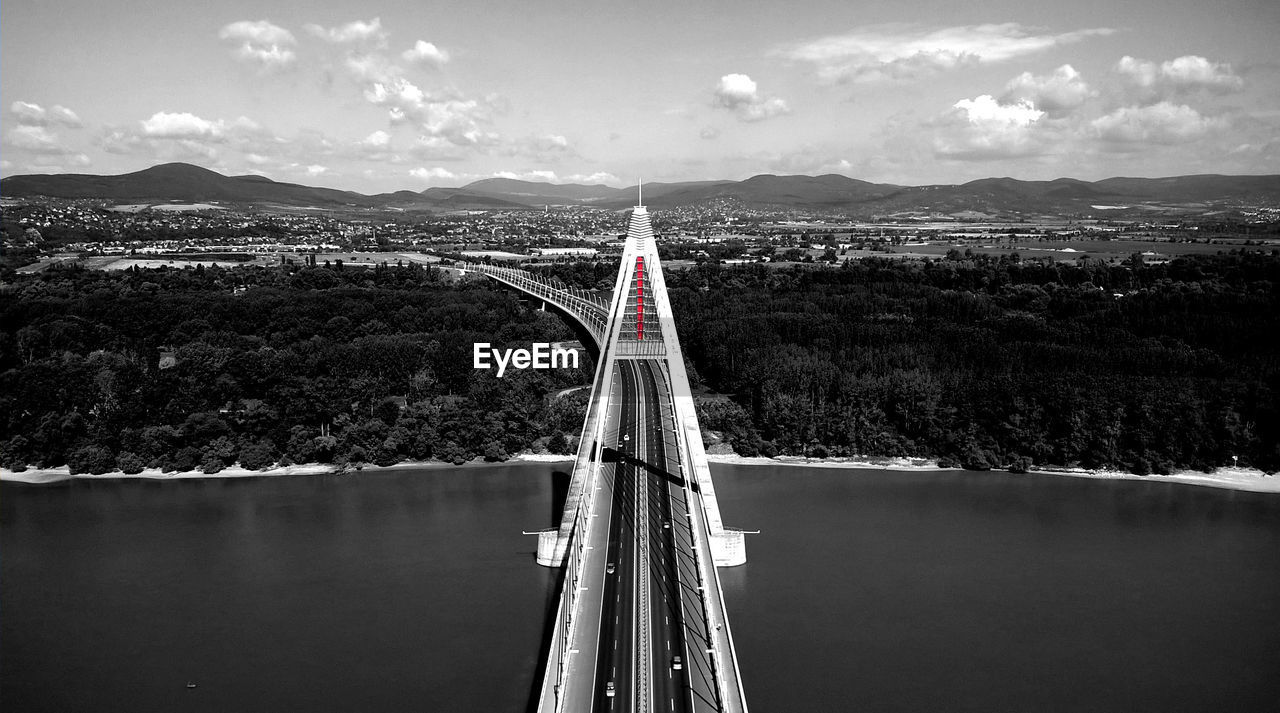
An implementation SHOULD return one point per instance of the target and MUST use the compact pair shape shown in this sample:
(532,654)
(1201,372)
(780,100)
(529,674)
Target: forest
(989,362)
(198,369)
(985,362)
(977,361)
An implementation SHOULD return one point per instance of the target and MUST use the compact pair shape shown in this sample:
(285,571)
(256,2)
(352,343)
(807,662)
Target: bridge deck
(641,534)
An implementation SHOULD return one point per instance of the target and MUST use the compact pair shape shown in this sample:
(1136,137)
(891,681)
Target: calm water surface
(414,590)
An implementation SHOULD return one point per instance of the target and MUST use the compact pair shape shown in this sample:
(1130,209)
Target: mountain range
(833,193)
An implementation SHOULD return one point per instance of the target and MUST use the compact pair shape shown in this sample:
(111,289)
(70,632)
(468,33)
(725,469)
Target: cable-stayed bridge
(641,622)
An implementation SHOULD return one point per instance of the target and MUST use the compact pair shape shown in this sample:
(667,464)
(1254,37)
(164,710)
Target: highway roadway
(643,599)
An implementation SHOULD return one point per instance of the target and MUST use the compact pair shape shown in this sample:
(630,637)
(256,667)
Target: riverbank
(40,476)
(1248,479)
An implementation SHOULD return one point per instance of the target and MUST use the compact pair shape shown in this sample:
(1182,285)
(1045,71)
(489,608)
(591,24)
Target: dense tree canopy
(992,362)
(269,365)
(978,361)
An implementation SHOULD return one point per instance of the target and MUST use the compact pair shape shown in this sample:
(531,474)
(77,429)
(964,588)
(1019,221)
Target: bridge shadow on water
(559,494)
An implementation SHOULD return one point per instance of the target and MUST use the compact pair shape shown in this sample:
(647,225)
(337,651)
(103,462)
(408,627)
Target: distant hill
(830,192)
(178,181)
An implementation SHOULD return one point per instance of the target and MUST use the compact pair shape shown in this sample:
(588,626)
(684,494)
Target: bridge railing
(584,306)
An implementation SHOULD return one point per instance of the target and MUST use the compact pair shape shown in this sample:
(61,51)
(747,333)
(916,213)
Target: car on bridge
(677,663)
(609,690)
(609,568)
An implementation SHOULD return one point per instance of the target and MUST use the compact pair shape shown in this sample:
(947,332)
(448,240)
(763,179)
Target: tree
(558,444)
(258,456)
(94,460)
(130,463)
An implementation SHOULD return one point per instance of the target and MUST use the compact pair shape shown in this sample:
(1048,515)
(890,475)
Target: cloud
(709,133)
(165,125)
(458,121)
(374,147)
(425,53)
(985,129)
(593,178)
(260,43)
(445,118)
(36,139)
(433,174)
(436,148)
(552,142)
(545,148)
(316,169)
(53,163)
(1179,76)
(1161,123)
(182,135)
(544,176)
(358,32)
(29,114)
(1057,94)
(739,94)
(896,51)
(377,140)
(371,67)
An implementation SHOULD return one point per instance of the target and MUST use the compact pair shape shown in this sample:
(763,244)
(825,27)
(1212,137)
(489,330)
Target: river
(414,590)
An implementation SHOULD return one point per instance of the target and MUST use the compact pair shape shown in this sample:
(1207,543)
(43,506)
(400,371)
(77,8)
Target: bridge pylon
(641,325)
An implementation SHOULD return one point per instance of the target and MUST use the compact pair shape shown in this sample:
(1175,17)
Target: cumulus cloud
(1161,123)
(371,67)
(445,118)
(436,148)
(433,174)
(552,142)
(378,139)
(709,133)
(53,163)
(984,128)
(1186,73)
(182,135)
(739,94)
(374,147)
(1057,94)
(316,169)
(593,178)
(458,121)
(260,43)
(899,51)
(808,159)
(41,147)
(425,53)
(29,114)
(35,139)
(181,125)
(358,32)
(544,176)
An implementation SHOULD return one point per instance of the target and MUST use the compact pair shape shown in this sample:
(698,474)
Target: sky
(408,94)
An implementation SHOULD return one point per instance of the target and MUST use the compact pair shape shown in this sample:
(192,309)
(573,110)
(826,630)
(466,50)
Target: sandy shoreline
(56,475)
(1248,479)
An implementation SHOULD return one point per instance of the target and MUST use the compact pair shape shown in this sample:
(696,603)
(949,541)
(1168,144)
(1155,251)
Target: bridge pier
(549,555)
(728,548)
